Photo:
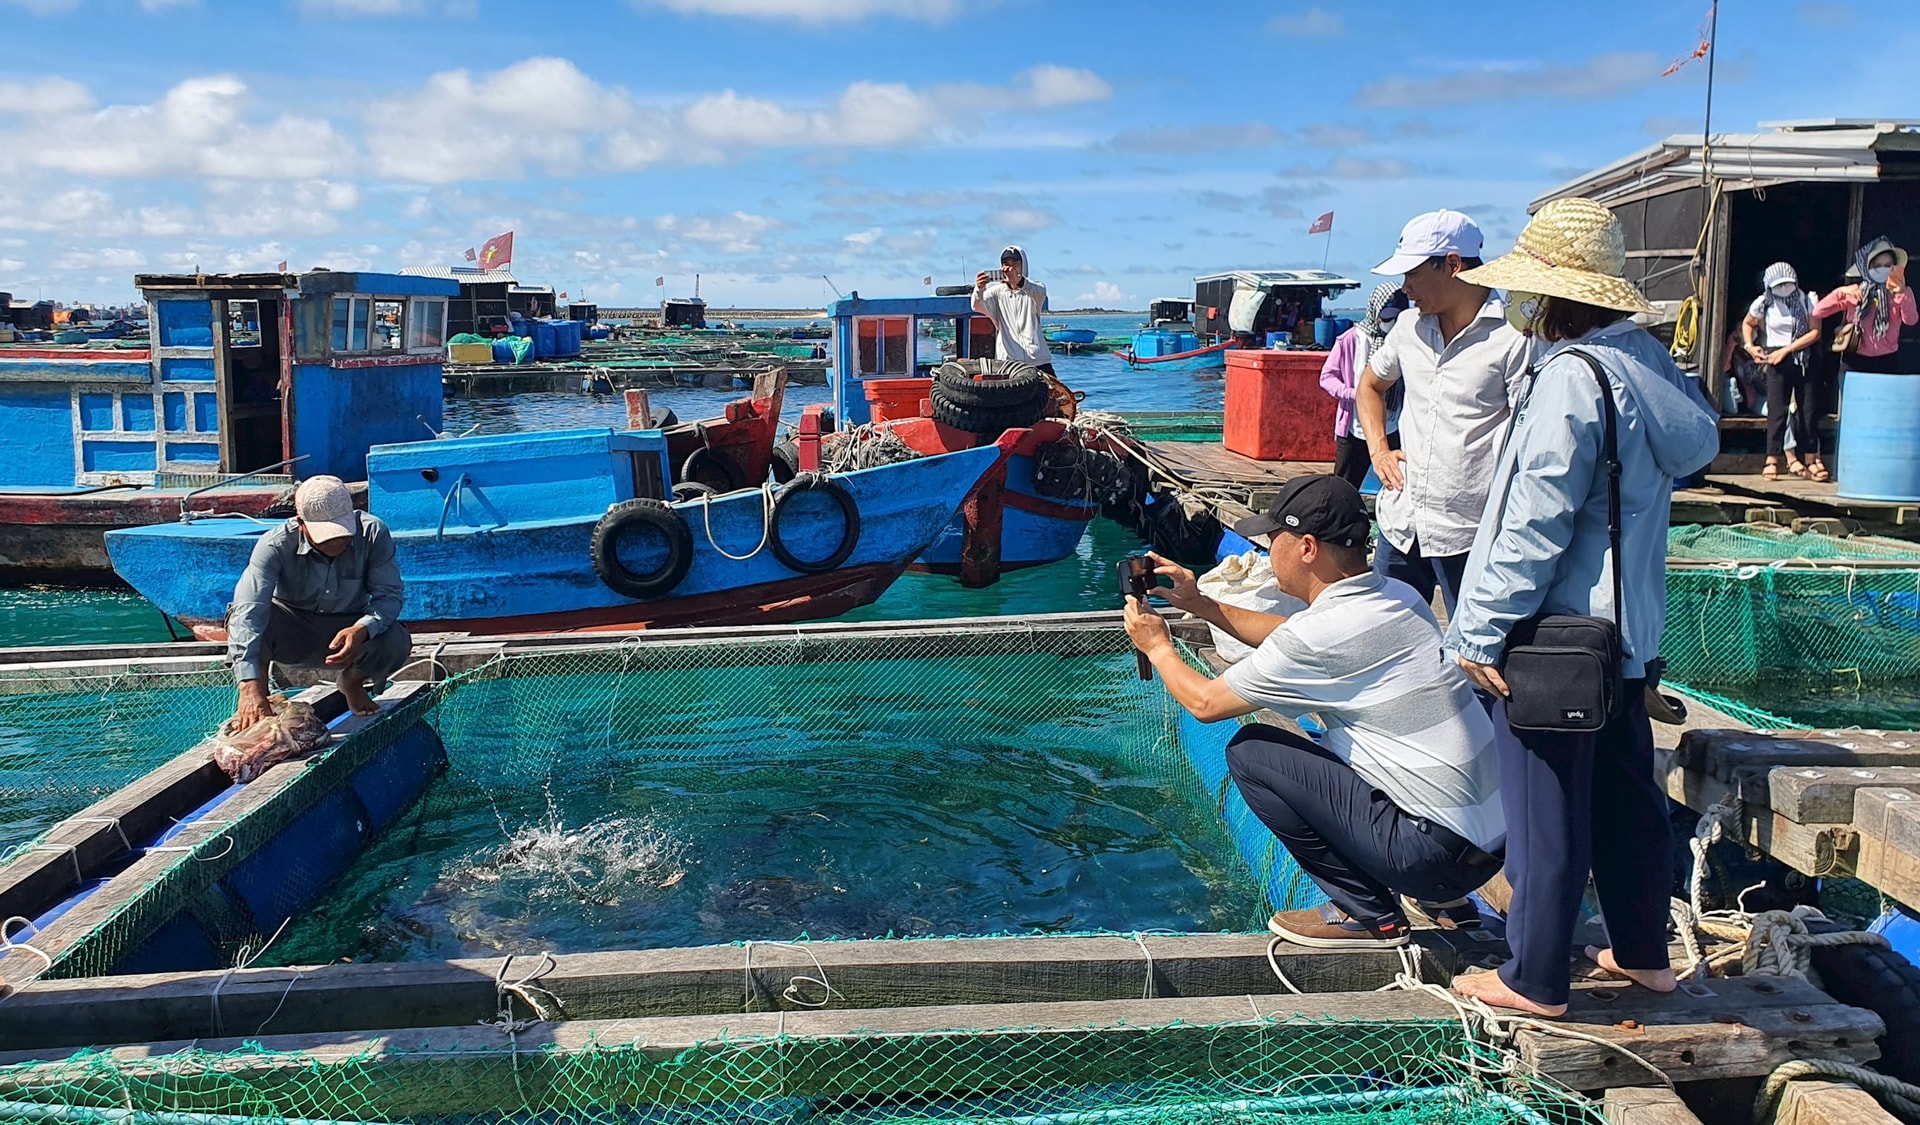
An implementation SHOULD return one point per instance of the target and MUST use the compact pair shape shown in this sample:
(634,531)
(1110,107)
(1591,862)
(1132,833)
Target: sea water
(961,796)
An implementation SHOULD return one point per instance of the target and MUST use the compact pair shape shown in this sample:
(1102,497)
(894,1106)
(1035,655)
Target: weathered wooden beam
(1646,1105)
(1812,1102)
(1725,753)
(1743,1028)
(1821,850)
(1824,794)
(1888,824)
(703,980)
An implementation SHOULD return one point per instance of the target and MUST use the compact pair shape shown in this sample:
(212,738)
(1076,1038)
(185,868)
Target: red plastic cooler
(1276,410)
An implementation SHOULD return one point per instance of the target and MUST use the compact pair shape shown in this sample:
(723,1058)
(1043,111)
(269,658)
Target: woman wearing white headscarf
(1543,546)
(1782,318)
(1340,374)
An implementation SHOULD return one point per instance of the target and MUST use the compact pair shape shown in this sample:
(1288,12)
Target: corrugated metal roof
(1264,279)
(467,275)
(1832,150)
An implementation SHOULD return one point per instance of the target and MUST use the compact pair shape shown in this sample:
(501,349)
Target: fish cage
(1751,604)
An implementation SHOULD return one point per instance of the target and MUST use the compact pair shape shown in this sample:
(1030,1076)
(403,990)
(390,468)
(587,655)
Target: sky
(785,149)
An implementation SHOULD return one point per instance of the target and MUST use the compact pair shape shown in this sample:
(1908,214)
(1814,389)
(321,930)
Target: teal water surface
(958,796)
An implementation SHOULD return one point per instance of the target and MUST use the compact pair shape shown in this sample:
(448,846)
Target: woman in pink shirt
(1340,374)
(1877,305)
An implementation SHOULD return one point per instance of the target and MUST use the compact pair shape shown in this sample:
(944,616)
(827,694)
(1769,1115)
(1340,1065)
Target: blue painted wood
(38,423)
(479,482)
(183,323)
(117,456)
(478,570)
(23,369)
(340,413)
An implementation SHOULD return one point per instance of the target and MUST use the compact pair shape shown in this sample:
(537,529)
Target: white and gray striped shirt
(1365,658)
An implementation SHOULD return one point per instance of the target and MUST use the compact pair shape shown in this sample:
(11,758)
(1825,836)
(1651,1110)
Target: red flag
(283,267)
(496,251)
(471,256)
(1322,225)
(563,296)
(926,280)
(660,282)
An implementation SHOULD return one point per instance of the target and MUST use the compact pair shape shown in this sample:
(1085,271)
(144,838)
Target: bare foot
(1660,980)
(1489,989)
(356,696)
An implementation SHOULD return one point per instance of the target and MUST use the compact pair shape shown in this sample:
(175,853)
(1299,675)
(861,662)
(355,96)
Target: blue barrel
(544,340)
(1324,332)
(502,352)
(1278,340)
(1341,324)
(570,337)
(1880,437)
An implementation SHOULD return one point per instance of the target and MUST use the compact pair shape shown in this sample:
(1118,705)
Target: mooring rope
(792,992)
(1901,1097)
(766,522)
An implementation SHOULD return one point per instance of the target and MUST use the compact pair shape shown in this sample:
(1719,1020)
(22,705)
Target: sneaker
(1456,914)
(1328,927)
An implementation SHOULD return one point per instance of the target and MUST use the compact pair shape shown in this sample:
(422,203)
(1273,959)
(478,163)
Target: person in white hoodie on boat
(1015,306)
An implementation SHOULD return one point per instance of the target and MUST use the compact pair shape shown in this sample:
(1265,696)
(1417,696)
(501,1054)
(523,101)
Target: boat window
(385,335)
(426,324)
(243,324)
(350,315)
(884,345)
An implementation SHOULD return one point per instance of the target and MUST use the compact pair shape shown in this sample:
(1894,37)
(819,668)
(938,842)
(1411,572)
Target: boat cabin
(880,339)
(1169,310)
(244,373)
(683,312)
(1248,304)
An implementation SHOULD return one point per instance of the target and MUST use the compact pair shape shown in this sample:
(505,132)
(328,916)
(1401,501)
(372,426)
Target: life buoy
(632,515)
(849,512)
(711,469)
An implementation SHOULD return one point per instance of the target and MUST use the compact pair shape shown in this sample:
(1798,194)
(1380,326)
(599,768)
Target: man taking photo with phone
(1402,795)
(1015,305)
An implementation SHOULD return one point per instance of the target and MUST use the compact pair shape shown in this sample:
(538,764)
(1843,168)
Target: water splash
(598,864)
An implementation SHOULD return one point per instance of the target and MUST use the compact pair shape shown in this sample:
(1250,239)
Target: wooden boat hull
(538,575)
(1033,529)
(1200,359)
(59,538)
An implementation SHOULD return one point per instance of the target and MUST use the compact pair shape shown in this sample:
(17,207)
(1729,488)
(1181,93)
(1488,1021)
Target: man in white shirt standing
(1015,306)
(1403,795)
(1461,364)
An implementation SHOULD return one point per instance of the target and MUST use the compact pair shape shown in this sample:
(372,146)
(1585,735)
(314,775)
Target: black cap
(1321,505)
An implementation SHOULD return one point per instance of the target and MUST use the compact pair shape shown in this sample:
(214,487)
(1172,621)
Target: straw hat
(1574,249)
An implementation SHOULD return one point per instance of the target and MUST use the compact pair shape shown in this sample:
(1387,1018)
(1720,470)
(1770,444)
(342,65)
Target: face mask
(1389,314)
(1523,309)
(1784,289)
(1879,274)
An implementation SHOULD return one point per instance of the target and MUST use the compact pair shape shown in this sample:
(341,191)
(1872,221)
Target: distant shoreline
(714,314)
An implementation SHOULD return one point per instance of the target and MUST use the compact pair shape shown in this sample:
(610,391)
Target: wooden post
(980,543)
(812,429)
(223,391)
(1646,1105)
(1808,1102)
(639,410)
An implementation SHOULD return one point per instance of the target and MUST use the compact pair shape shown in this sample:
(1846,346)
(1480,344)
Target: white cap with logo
(1433,235)
(325,507)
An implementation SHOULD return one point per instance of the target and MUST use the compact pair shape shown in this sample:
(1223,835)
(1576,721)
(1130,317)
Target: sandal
(1771,471)
(1817,473)
(1797,468)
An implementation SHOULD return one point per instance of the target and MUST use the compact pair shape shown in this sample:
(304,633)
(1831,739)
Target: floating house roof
(466,275)
(1267,279)
(1832,150)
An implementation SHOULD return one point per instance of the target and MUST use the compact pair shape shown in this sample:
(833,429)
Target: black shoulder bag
(1564,671)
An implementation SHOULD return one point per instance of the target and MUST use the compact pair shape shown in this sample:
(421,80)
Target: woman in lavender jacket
(1341,374)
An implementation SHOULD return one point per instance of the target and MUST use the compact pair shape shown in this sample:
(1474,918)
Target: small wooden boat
(1194,359)
(1073,337)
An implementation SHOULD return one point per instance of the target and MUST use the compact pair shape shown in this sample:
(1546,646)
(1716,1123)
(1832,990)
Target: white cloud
(11,265)
(1598,77)
(47,97)
(198,128)
(461,126)
(1315,21)
(863,239)
(1148,140)
(1105,295)
(1064,85)
(813,11)
(736,233)
(1023,220)
(121,259)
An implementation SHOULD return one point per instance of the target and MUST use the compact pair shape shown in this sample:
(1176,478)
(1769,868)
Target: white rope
(247,956)
(792,993)
(505,991)
(1273,962)
(766,522)
(8,945)
(1147,992)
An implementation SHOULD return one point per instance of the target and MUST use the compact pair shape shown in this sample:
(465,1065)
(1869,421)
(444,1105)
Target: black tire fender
(692,490)
(1886,984)
(632,515)
(706,467)
(983,420)
(849,510)
(785,464)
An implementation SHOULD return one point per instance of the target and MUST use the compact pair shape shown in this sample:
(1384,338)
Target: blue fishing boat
(1168,342)
(1070,337)
(572,530)
(1031,511)
(1236,309)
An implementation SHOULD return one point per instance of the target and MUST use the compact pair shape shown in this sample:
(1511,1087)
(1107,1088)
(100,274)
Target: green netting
(1749,604)
(1413,1072)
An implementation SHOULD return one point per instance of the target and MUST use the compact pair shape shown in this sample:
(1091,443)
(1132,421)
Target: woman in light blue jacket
(1543,547)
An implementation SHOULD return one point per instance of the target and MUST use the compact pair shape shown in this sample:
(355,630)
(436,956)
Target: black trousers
(1048,368)
(1424,573)
(1554,788)
(1784,379)
(1350,838)
(1351,459)
(1888,364)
